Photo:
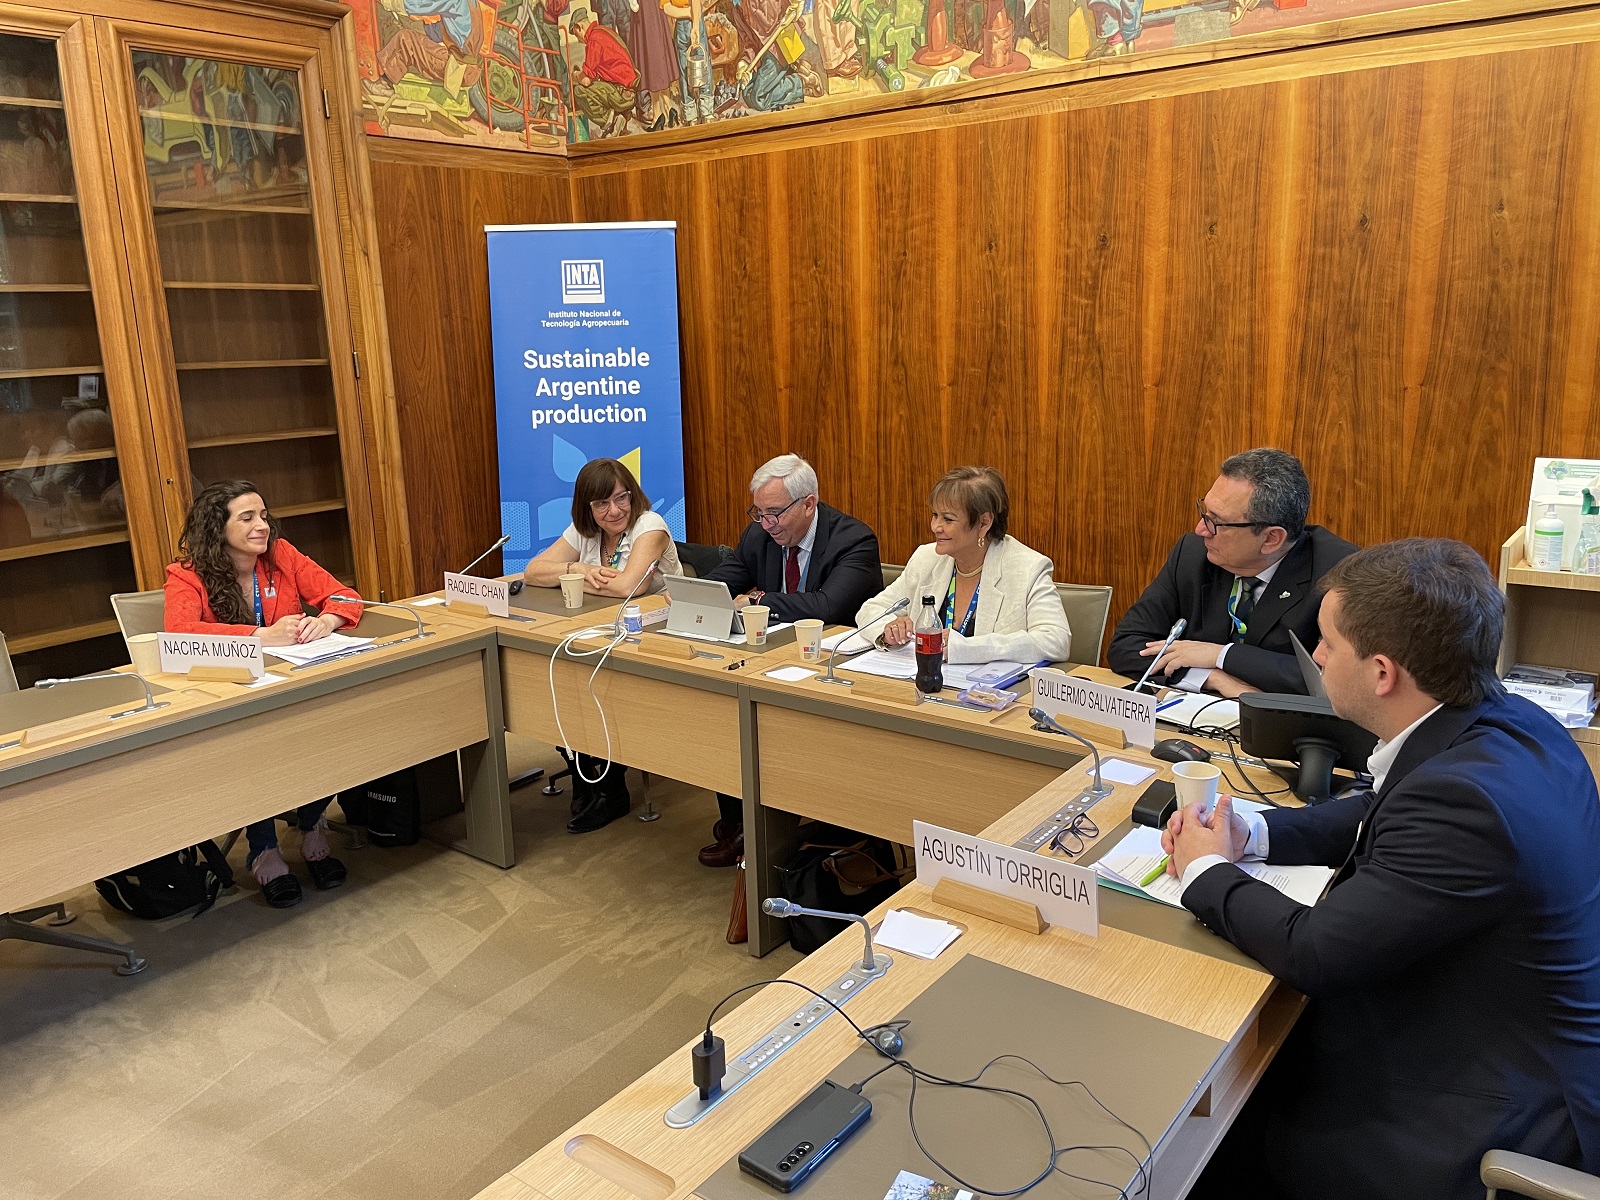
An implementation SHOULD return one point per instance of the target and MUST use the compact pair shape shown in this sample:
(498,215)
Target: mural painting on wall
(531,73)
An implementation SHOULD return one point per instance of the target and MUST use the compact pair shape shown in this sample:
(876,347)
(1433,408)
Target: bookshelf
(1552,620)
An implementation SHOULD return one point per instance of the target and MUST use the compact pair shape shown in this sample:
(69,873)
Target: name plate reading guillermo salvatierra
(1064,894)
(180,651)
(493,594)
(1063,695)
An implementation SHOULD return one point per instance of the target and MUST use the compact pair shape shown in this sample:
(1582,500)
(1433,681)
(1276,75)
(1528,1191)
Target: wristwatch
(756,597)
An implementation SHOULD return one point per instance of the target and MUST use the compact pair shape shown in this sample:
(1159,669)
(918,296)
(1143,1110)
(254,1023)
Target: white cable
(619,634)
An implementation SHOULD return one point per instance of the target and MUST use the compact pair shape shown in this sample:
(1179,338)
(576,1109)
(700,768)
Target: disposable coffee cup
(572,591)
(808,636)
(755,623)
(1196,783)
(145,650)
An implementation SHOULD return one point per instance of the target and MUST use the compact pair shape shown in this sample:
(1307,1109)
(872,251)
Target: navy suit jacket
(1453,970)
(845,570)
(1190,585)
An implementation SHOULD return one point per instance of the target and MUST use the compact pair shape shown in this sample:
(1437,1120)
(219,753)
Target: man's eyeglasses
(1212,524)
(771,518)
(622,502)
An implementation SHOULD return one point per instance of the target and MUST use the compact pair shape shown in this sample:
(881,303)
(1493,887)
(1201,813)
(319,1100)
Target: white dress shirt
(1195,677)
(1380,762)
(805,553)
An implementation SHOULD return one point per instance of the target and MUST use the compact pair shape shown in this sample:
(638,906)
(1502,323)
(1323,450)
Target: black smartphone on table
(787,1153)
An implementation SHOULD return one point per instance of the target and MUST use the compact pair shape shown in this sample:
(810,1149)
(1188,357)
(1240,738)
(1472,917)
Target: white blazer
(1019,618)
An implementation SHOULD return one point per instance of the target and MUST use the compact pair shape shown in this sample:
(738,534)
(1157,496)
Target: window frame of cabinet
(315,38)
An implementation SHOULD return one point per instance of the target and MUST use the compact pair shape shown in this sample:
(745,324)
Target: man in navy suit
(1453,969)
(800,558)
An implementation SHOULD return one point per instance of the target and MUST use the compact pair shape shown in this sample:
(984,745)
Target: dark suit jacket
(1453,970)
(843,574)
(1191,586)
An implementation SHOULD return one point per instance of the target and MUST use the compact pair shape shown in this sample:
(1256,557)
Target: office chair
(891,572)
(139,612)
(19,926)
(700,560)
(1087,606)
(1522,1175)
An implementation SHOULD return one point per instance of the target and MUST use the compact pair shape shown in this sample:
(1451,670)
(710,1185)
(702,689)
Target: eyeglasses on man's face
(620,502)
(1212,524)
(769,519)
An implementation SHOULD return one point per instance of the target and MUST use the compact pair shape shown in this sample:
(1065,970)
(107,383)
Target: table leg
(770,836)
(484,783)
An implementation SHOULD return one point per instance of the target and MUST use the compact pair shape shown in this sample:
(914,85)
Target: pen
(1159,870)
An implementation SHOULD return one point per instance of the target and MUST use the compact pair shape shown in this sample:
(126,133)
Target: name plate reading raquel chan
(1060,694)
(180,651)
(493,594)
(1065,895)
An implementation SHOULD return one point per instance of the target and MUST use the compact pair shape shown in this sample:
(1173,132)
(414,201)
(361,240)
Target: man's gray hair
(795,472)
(1282,493)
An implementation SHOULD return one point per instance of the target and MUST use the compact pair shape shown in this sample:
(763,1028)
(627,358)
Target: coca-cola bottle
(930,649)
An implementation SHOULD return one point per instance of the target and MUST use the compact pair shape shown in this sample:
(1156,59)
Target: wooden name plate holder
(466,608)
(1006,910)
(67,727)
(204,674)
(659,645)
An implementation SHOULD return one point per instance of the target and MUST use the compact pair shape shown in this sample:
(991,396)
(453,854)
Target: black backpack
(839,870)
(163,887)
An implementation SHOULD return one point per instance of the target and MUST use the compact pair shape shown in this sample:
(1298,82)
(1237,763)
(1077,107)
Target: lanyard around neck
(255,581)
(950,607)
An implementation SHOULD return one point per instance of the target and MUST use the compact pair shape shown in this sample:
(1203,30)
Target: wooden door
(76,460)
(234,244)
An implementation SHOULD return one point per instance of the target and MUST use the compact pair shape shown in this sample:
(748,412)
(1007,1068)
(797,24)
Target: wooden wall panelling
(431,214)
(1375,256)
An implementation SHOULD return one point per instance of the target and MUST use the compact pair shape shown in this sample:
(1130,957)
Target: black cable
(1142,1174)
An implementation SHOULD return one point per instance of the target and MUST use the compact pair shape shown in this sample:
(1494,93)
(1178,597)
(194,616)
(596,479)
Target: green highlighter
(1157,872)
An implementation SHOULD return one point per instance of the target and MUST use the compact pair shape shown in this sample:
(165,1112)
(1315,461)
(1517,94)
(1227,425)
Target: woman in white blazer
(993,594)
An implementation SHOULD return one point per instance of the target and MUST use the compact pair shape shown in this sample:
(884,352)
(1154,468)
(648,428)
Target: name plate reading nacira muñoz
(1064,894)
(493,594)
(180,651)
(1060,694)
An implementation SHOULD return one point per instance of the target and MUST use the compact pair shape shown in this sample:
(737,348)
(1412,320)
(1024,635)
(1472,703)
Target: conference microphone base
(742,1067)
(830,677)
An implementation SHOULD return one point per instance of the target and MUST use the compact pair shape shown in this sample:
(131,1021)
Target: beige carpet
(416,1033)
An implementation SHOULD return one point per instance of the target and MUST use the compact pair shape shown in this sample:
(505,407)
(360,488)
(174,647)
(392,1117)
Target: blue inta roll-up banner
(584,320)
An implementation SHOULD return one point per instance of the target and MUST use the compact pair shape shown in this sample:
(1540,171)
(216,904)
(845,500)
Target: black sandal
(282,892)
(326,873)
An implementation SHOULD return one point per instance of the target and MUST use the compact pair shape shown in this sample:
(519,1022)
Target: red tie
(791,570)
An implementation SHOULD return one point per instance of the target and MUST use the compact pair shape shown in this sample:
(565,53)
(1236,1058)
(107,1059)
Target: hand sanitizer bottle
(1586,554)
(1544,552)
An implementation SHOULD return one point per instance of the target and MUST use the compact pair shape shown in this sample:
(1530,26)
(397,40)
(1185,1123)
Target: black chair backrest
(701,560)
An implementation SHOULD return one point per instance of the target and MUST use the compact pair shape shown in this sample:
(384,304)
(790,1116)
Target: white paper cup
(1196,783)
(755,623)
(145,650)
(808,636)
(572,591)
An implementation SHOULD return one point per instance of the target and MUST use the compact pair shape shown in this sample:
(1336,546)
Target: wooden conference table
(1148,958)
(218,756)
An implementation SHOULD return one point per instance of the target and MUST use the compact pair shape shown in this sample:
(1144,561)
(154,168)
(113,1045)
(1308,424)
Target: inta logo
(583,281)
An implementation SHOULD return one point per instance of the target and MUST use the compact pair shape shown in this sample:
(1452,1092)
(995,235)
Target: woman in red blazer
(236,575)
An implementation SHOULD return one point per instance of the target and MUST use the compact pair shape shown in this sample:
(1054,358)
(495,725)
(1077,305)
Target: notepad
(924,937)
(323,648)
(1196,710)
(1118,771)
(791,674)
(1132,860)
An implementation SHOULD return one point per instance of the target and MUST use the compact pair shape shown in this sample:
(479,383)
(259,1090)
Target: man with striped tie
(1243,579)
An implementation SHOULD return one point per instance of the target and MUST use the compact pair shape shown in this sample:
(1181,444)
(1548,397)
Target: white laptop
(701,608)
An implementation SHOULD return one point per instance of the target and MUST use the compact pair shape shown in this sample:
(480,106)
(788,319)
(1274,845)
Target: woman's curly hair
(203,547)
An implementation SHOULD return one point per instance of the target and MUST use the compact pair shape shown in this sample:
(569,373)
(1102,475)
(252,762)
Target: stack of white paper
(1136,858)
(331,646)
(925,937)
(1568,696)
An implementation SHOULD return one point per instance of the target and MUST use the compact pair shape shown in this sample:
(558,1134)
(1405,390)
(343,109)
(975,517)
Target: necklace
(969,574)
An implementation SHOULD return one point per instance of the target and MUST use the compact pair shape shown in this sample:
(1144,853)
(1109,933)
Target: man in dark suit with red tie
(1453,968)
(799,558)
(1243,580)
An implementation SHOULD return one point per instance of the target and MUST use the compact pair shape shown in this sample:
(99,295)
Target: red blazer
(287,579)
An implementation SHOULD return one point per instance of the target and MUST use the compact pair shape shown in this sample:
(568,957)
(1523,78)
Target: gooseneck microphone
(1173,635)
(830,677)
(149,696)
(503,540)
(1043,721)
(415,615)
(776,906)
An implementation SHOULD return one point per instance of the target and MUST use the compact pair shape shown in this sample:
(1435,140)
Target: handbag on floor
(164,887)
(738,915)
